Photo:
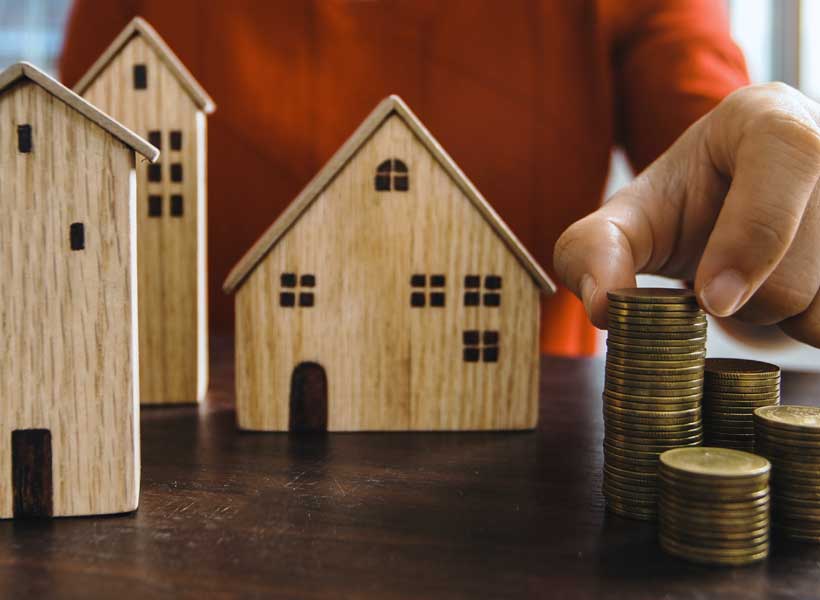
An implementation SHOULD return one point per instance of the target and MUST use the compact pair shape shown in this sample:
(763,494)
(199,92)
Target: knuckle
(790,130)
(771,231)
(776,302)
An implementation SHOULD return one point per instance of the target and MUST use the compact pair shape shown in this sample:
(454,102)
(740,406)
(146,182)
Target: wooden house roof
(388,107)
(28,71)
(139,26)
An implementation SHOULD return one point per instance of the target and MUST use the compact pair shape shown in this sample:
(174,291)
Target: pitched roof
(28,71)
(139,26)
(389,106)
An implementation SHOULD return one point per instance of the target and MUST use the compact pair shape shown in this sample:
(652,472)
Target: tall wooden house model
(69,381)
(140,82)
(388,296)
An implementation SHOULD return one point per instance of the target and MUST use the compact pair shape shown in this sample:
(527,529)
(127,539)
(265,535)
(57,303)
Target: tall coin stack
(789,436)
(732,390)
(714,505)
(652,392)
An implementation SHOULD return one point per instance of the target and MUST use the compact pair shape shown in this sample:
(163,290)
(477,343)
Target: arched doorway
(308,398)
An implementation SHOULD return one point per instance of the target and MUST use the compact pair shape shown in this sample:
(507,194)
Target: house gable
(139,27)
(392,105)
(391,363)
(27,71)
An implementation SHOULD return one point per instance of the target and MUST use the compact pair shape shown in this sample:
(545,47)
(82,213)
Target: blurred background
(780,39)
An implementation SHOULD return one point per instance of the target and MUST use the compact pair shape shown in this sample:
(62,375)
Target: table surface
(230,514)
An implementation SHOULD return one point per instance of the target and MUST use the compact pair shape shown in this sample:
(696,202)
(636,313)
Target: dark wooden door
(308,398)
(31,472)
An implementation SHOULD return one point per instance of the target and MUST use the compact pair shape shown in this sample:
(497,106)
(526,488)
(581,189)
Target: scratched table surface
(230,514)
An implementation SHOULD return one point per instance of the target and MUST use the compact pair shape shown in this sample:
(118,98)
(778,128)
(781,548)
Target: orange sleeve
(92,25)
(673,61)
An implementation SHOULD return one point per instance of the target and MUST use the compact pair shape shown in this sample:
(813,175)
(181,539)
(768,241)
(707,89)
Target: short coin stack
(652,393)
(789,436)
(714,505)
(732,390)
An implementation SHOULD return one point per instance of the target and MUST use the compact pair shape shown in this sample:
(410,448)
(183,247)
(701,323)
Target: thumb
(604,250)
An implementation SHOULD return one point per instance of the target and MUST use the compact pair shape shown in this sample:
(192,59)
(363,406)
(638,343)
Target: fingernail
(588,288)
(722,296)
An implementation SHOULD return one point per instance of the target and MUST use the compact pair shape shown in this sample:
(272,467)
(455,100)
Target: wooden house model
(140,82)
(69,379)
(388,296)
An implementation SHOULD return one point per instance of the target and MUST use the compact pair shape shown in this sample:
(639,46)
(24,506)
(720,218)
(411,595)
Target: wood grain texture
(389,516)
(67,326)
(140,27)
(389,366)
(393,105)
(172,276)
(23,69)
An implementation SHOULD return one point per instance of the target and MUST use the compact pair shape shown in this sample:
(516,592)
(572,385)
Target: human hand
(734,204)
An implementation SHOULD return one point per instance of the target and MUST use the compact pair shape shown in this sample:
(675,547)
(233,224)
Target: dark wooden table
(229,514)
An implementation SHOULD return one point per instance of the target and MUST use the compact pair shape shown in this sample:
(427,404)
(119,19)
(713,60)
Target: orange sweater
(528,96)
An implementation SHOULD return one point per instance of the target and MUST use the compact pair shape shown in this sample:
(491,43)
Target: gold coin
(623,509)
(736,425)
(692,482)
(652,392)
(660,320)
(717,520)
(810,450)
(796,492)
(808,446)
(650,405)
(736,527)
(798,533)
(654,349)
(756,517)
(792,418)
(669,373)
(653,384)
(632,442)
(662,358)
(731,436)
(632,397)
(629,471)
(739,387)
(718,557)
(649,295)
(644,456)
(660,433)
(741,368)
(661,423)
(617,311)
(636,483)
(655,308)
(723,397)
(680,415)
(694,364)
(698,341)
(654,431)
(785,454)
(656,331)
(638,494)
(714,462)
(713,542)
(686,379)
(646,471)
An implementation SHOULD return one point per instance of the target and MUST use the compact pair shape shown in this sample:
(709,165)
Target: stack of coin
(789,436)
(732,390)
(714,505)
(652,393)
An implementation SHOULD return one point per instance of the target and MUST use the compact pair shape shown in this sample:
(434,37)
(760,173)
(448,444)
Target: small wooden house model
(388,296)
(69,380)
(139,81)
